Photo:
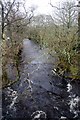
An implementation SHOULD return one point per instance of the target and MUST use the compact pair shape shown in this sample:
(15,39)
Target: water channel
(40,94)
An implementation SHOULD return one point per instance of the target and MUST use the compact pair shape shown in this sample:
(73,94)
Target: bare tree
(65,14)
(11,13)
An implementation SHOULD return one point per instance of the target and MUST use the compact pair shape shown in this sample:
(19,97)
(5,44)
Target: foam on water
(13,97)
(73,101)
(37,114)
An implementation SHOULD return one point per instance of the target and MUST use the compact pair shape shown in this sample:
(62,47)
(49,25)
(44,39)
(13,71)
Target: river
(40,94)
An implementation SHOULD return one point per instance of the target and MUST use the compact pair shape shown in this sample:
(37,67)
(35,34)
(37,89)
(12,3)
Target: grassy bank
(64,42)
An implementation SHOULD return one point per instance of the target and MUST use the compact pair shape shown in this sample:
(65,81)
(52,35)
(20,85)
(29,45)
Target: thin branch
(54,6)
(9,10)
(62,7)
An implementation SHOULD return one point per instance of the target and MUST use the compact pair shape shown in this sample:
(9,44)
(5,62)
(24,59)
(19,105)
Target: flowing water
(40,94)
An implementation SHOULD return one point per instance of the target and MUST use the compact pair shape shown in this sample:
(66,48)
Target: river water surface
(40,94)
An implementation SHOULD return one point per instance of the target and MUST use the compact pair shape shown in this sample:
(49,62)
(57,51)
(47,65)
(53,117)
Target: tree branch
(9,10)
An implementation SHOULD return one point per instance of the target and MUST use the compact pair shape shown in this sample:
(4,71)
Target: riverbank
(40,94)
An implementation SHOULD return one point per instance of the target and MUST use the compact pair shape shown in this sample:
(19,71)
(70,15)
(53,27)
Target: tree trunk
(9,33)
(2,15)
(79,25)
(79,39)
(79,21)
